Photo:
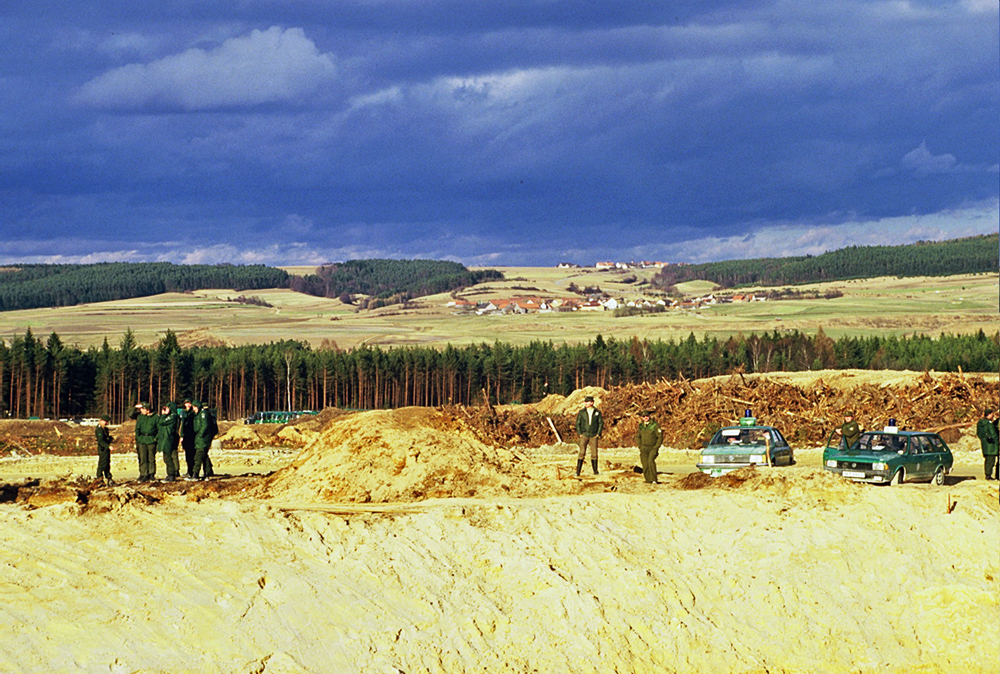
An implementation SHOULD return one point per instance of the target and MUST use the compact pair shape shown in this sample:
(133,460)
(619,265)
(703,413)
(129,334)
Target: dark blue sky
(492,132)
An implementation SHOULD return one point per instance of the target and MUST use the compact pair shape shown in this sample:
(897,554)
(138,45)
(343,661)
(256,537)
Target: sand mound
(799,483)
(401,455)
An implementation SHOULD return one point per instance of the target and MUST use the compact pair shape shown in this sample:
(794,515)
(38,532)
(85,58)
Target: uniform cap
(588,399)
(105,417)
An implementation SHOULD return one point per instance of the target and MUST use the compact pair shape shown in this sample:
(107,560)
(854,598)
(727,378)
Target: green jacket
(649,436)
(104,438)
(145,428)
(592,427)
(852,433)
(987,434)
(168,430)
(204,425)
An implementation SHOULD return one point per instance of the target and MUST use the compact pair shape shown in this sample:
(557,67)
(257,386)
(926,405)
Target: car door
(924,460)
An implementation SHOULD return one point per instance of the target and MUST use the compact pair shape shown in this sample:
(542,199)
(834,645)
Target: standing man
(205,429)
(850,430)
(187,435)
(145,440)
(167,438)
(104,441)
(986,431)
(589,424)
(648,439)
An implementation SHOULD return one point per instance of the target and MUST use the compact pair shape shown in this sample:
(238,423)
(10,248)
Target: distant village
(599,301)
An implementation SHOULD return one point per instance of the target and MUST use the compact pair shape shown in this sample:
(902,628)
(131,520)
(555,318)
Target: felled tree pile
(690,412)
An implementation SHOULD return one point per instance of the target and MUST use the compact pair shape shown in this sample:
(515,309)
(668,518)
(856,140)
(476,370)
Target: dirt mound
(798,483)
(406,454)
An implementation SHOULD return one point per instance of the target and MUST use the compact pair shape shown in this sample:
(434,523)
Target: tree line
(386,282)
(45,378)
(970,255)
(59,285)
(34,286)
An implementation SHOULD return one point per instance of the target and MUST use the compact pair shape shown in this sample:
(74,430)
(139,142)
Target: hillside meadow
(900,306)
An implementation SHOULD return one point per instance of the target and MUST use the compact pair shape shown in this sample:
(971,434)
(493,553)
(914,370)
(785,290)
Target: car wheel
(897,477)
(938,478)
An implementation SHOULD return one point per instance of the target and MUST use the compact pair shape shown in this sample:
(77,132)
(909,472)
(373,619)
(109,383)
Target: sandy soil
(397,542)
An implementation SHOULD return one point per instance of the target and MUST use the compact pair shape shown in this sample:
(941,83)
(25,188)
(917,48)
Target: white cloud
(271,66)
(789,240)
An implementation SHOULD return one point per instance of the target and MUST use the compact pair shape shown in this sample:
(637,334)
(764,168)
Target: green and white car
(890,456)
(734,447)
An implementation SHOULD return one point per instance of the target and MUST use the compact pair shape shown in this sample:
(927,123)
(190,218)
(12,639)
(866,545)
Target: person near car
(850,430)
(648,438)
(104,441)
(145,440)
(167,439)
(986,431)
(589,425)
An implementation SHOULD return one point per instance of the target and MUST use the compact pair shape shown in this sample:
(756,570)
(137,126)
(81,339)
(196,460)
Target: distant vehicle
(90,421)
(734,447)
(890,456)
(276,416)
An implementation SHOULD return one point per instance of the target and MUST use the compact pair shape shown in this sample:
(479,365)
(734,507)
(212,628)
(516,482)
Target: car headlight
(756,458)
(708,458)
(880,466)
(831,463)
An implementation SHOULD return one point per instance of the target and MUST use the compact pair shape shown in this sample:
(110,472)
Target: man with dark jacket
(850,430)
(589,425)
(167,438)
(648,438)
(986,431)
(145,440)
(104,441)
(186,415)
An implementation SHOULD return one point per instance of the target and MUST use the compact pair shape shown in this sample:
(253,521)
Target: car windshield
(881,442)
(741,436)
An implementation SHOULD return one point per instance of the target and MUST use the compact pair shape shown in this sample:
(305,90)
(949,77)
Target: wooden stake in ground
(553,427)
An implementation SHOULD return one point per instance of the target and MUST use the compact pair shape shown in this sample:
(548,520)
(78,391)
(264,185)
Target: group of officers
(191,427)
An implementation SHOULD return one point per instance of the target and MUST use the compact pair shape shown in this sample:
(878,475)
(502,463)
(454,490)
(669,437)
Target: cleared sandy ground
(396,542)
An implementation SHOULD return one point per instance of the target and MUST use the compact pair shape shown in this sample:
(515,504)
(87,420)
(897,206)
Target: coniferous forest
(45,378)
(971,255)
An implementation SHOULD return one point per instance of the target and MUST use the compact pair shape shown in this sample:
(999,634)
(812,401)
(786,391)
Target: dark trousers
(990,466)
(188,445)
(648,459)
(202,464)
(147,458)
(103,463)
(171,462)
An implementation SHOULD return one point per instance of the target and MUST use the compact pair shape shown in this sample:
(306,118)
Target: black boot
(579,466)
(593,463)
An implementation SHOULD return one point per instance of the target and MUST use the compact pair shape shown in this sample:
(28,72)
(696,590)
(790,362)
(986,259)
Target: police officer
(648,438)
(167,438)
(186,415)
(589,425)
(145,440)
(986,431)
(204,431)
(104,441)
(850,430)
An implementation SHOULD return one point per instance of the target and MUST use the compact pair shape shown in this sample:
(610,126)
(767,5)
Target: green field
(933,305)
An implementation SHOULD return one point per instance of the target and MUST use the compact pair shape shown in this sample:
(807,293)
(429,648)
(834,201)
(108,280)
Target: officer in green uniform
(986,431)
(145,440)
(589,425)
(648,438)
(187,434)
(104,441)
(167,439)
(204,431)
(850,430)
